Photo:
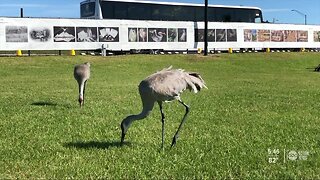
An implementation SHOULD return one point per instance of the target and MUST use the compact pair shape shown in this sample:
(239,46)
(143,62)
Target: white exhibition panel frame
(42,34)
(122,43)
(240,27)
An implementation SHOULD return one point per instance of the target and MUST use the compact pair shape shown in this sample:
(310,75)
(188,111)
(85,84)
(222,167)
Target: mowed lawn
(257,107)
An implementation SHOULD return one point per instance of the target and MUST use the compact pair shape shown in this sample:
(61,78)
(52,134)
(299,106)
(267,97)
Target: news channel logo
(275,155)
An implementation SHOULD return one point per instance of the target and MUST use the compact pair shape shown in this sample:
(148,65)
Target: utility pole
(205,27)
(21,12)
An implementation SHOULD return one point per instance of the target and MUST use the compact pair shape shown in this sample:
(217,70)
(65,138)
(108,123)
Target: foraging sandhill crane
(82,74)
(162,86)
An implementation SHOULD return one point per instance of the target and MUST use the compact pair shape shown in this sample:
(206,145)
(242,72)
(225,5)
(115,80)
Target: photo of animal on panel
(108,34)
(263,35)
(302,36)
(86,34)
(157,35)
(40,34)
(16,34)
(211,35)
(132,34)
(221,35)
(64,34)
(231,35)
(277,36)
(316,36)
(250,35)
(173,35)
(290,35)
(182,33)
(143,34)
(199,35)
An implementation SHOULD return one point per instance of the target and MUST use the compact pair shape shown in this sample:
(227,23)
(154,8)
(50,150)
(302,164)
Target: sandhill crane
(82,74)
(162,86)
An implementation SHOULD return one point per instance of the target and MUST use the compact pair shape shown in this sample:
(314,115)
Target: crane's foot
(123,133)
(162,147)
(122,138)
(174,141)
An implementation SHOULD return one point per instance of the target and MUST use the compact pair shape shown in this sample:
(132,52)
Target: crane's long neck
(126,122)
(129,119)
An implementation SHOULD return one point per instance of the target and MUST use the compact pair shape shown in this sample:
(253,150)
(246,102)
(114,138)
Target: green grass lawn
(254,102)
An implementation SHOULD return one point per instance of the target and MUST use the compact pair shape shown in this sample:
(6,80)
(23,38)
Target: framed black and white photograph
(16,34)
(211,35)
(157,35)
(86,34)
(231,35)
(199,35)
(64,34)
(221,35)
(182,33)
(108,34)
(173,35)
(143,34)
(40,34)
(133,34)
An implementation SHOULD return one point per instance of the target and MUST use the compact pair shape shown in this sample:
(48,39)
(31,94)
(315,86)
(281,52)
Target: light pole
(302,14)
(21,12)
(205,27)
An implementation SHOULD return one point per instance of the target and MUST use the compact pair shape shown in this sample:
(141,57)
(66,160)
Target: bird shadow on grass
(95,144)
(43,103)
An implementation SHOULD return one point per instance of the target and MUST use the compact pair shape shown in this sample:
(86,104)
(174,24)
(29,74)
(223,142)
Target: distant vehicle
(167,11)
(121,26)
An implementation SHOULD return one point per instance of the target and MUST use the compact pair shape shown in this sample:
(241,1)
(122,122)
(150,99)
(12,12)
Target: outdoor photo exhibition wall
(81,34)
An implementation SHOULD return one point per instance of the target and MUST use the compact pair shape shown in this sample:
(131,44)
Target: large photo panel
(86,34)
(64,34)
(108,34)
(157,34)
(16,34)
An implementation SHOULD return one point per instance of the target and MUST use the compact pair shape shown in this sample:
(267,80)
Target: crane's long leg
(84,90)
(79,94)
(174,140)
(163,122)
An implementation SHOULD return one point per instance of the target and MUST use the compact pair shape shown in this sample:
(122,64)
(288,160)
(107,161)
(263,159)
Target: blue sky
(273,10)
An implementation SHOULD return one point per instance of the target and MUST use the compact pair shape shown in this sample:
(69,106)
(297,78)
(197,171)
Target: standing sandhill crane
(162,86)
(82,74)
